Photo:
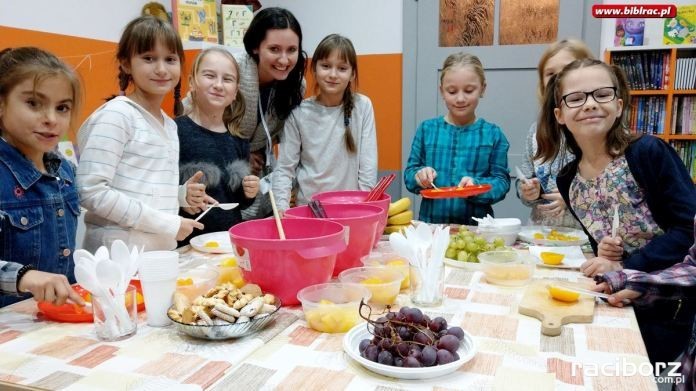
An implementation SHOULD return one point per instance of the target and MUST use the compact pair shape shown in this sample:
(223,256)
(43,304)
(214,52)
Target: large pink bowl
(306,257)
(361,220)
(357,197)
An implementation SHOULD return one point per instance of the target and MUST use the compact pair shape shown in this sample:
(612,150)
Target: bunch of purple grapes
(411,339)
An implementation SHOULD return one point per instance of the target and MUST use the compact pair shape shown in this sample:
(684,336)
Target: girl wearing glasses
(642,177)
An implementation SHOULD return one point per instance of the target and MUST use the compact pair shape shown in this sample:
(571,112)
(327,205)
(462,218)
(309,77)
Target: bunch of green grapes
(465,246)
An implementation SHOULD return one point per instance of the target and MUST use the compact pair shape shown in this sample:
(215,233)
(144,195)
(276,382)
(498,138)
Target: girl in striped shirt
(128,177)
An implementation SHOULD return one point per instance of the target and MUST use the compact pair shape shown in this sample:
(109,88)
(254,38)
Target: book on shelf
(644,70)
(235,22)
(195,20)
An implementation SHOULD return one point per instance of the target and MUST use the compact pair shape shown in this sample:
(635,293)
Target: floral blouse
(594,200)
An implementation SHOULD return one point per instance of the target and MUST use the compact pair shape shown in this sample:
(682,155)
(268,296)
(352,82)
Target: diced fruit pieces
(231,261)
(184,281)
(551,258)
(212,244)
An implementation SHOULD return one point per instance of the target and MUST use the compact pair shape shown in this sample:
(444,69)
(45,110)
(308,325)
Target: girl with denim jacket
(39,206)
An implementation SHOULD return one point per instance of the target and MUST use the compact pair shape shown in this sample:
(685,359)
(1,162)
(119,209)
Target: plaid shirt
(670,283)
(8,277)
(478,151)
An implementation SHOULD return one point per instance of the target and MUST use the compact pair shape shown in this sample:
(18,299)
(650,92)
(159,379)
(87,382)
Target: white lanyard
(270,157)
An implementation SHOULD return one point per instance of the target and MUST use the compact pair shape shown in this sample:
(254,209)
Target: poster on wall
(682,28)
(235,22)
(524,22)
(195,20)
(629,31)
(466,23)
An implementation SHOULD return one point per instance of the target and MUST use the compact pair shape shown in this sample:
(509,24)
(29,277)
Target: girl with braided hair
(329,142)
(128,177)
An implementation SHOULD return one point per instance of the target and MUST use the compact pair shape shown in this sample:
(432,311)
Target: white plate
(527,235)
(573,256)
(351,342)
(222,238)
(473,266)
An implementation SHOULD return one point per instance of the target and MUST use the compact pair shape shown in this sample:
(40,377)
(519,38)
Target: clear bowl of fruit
(390,259)
(383,282)
(196,282)
(506,267)
(332,307)
(230,272)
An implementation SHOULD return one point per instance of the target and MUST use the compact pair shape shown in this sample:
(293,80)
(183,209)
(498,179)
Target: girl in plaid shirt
(459,149)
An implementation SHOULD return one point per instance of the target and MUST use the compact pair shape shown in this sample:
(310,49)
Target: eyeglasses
(600,95)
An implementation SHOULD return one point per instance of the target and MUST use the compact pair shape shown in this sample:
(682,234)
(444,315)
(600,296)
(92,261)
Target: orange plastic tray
(73,313)
(456,192)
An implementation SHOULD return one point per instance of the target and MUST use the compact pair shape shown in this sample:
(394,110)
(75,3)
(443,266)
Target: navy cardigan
(671,197)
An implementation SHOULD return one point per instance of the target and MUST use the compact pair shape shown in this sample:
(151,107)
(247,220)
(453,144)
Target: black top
(223,158)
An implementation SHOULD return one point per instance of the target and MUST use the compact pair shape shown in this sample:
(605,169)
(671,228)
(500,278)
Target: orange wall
(380,79)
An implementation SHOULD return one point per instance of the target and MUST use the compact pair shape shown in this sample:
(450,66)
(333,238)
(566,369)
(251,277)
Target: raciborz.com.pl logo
(664,372)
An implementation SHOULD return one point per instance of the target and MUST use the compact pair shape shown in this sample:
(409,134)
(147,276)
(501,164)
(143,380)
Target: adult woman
(271,79)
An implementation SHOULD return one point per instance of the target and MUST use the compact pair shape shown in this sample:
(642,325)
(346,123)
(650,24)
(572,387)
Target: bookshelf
(662,80)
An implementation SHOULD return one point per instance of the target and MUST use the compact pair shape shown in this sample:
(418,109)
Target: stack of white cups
(158,271)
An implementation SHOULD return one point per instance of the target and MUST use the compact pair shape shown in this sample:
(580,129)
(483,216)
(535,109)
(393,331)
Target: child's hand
(610,248)
(50,287)
(555,207)
(599,265)
(425,177)
(186,228)
(530,189)
(195,192)
(250,184)
(466,181)
(620,298)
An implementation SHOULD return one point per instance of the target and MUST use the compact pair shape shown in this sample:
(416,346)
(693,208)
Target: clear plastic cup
(111,322)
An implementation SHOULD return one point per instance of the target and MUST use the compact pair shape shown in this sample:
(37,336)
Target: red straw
(380,188)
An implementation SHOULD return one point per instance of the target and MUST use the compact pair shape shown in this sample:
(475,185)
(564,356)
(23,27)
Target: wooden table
(512,353)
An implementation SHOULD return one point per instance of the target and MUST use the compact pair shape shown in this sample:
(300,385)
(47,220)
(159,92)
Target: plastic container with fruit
(390,259)
(332,307)
(196,282)
(383,282)
(507,268)
(504,228)
(230,272)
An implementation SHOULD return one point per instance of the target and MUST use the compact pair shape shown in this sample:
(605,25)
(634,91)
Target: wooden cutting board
(553,314)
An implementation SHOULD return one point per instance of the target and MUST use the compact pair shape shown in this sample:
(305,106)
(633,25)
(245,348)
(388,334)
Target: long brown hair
(141,35)
(17,65)
(550,133)
(233,114)
(577,48)
(346,52)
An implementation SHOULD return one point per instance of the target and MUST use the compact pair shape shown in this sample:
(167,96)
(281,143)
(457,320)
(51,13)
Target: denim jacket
(38,217)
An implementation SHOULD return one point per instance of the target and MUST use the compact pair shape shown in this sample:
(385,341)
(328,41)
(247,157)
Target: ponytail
(178,106)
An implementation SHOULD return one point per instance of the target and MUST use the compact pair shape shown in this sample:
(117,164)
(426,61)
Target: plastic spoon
(228,206)
(89,281)
(121,256)
(615,222)
(521,176)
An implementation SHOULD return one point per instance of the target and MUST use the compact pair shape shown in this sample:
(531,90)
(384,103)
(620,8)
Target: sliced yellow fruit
(372,280)
(562,294)
(538,235)
(231,261)
(325,302)
(551,258)
(184,281)
(212,244)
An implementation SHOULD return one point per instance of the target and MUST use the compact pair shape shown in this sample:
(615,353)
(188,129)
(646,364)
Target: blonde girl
(39,101)
(210,140)
(540,192)
(128,175)
(329,141)
(459,149)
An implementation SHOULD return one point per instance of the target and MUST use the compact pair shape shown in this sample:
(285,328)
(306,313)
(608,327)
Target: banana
(395,228)
(399,206)
(401,218)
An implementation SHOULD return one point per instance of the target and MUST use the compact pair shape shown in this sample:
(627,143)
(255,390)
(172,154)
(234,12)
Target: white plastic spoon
(122,257)
(88,281)
(229,206)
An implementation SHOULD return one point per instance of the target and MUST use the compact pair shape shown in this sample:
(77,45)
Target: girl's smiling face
(215,82)
(35,115)
(591,120)
(461,89)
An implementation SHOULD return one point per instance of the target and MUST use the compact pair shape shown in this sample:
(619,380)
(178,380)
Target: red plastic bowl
(357,197)
(306,257)
(73,313)
(361,220)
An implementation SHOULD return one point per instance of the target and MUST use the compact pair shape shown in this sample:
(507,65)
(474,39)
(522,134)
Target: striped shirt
(478,150)
(128,177)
